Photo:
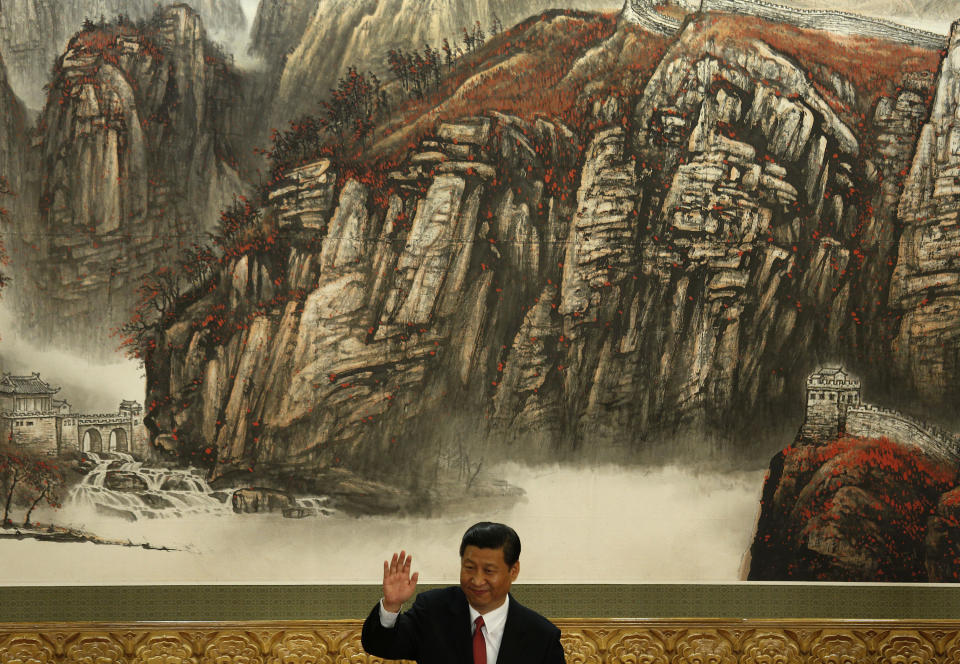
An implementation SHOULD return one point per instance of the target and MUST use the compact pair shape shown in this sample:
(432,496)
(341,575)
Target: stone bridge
(105,433)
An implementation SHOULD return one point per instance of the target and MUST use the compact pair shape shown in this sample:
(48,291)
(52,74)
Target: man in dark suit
(475,623)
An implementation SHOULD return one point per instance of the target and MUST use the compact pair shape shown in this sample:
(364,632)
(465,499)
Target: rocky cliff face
(33,33)
(136,161)
(526,289)
(221,16)
(318,353)
(13,143)
(15,170)
(278,28)
(748,187)
(861,509)
(925,290)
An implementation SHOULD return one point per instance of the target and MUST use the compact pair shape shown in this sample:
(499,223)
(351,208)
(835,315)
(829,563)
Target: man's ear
(514,571)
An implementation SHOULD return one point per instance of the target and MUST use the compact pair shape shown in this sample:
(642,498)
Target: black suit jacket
(436,630)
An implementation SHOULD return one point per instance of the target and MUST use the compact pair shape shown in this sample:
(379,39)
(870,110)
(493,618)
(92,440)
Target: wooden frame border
(596,641)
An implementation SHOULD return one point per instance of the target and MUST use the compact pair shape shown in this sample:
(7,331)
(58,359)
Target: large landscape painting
(671,287)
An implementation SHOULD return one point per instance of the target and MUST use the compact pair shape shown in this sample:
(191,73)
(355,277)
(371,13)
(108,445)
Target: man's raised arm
(398,584)
(382,636)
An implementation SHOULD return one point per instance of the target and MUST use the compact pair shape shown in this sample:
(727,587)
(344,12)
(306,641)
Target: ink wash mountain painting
(289,285)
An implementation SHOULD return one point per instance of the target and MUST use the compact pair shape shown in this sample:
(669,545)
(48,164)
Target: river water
(577,525)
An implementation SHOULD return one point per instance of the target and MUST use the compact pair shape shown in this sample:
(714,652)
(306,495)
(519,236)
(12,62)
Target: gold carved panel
(680,641)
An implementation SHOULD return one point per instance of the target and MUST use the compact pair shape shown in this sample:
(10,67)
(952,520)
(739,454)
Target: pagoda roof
(32,384)
(834,374)
(831,371)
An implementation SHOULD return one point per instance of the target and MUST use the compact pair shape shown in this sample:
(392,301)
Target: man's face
(485,577)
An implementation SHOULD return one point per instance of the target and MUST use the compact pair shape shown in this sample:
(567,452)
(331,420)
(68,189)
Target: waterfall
(118,485)
(122,486)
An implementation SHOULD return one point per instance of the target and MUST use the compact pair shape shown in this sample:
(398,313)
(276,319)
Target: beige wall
(38,433)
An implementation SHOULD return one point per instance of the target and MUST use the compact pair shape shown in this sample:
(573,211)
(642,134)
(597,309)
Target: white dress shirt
(494,623)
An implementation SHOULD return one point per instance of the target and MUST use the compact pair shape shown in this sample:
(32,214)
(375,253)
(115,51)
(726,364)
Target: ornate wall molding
(599,641)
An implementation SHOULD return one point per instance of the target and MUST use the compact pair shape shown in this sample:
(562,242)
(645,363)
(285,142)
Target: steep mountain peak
(279,25)
(33,33)
(180,22)
(948,95)
(586,232)
(136,148)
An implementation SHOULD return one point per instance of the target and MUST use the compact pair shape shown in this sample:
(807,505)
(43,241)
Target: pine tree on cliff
(399,67)
(479,38)
(417,69)
(447,54)
(432,58)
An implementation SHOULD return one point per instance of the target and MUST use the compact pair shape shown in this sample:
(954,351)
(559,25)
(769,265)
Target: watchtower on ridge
(830,392)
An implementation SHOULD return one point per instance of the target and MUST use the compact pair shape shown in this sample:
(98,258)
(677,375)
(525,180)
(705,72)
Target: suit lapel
(513,631)
(460,622)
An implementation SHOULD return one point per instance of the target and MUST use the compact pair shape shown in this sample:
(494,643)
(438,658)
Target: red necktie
(479,645)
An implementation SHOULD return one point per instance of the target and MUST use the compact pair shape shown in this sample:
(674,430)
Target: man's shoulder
(530,618)
(441,596)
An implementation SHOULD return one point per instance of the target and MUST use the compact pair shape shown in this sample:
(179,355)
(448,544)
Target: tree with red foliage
(157,293)
(468,40)
(300,143)
(417,67)
(239,229)
(432,64)
(397,62)
(357,95)
(162,289)
(45,480)
(14,468)
(198,263)
(479,38)
(363,128)
(851,509)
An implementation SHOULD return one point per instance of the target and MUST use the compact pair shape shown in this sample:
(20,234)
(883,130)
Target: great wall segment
(647,14)
(834,407)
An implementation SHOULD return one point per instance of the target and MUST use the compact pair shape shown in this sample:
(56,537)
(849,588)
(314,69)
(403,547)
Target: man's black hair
(487,535)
